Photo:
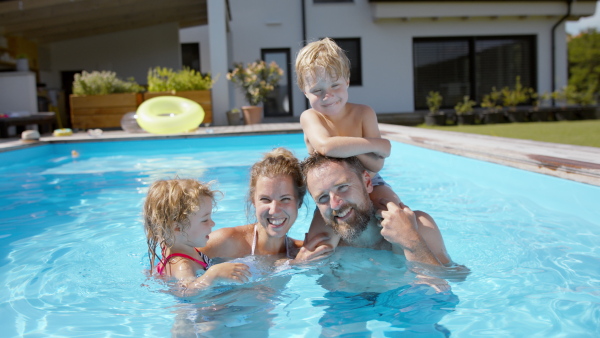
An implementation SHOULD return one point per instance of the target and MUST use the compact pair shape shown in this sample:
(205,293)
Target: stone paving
(577,163)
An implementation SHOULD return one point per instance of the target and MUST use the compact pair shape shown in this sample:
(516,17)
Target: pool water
(73,251)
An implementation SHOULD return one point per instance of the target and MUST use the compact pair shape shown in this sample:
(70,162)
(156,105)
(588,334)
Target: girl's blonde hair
(324,54)
(167,206)
(279,161)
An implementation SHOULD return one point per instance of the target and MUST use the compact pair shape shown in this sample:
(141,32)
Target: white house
(400,50)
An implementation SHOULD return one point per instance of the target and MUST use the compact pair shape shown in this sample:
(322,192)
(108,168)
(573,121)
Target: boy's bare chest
(345,127)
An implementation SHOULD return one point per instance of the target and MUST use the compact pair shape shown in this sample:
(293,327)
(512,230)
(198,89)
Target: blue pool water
(72,250)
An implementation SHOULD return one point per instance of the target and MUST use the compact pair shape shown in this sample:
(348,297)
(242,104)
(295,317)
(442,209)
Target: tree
(584,61)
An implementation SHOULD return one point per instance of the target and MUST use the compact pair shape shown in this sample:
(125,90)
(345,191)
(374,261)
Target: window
(190,55)
(470,66)
(279,101)
(352,48)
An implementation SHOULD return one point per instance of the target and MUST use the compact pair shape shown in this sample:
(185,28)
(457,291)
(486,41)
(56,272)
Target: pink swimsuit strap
(160,268)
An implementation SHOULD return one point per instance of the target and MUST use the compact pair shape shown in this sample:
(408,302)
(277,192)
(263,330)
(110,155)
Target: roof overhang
(425,9)
(56,20)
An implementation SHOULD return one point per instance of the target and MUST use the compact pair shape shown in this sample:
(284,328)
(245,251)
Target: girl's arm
(324,143)
(189,284)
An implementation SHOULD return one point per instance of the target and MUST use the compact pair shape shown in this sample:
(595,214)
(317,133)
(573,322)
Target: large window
(352,48)
(471,66)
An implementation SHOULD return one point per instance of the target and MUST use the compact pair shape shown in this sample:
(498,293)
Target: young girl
(177,217)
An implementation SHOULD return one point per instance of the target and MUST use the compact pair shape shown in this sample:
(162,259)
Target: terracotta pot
(252,114)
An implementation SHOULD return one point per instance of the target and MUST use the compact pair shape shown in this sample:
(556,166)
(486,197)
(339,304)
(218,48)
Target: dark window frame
(530,40)
(356,78)
(290,84)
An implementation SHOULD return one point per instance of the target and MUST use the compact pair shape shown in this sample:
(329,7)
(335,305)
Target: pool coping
(576,163)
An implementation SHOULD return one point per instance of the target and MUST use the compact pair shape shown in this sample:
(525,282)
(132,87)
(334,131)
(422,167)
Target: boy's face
(326,95)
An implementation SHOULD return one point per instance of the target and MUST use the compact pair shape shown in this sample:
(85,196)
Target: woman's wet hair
(279,161)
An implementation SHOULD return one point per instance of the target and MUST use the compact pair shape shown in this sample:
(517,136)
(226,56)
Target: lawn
(581,133)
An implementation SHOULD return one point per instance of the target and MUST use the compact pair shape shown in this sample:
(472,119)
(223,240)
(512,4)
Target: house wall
(272,24)
(128,53)
(386,43)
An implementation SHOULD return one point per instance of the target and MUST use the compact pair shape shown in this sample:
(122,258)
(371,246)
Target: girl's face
(276,204)
(326,95)
(201,223)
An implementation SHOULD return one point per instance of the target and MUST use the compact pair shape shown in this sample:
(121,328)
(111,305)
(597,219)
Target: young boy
(334,127)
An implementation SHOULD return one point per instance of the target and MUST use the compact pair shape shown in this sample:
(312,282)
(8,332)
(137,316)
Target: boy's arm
(340,146)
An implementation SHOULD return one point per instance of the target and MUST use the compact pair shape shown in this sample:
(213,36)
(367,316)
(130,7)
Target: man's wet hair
(316,160)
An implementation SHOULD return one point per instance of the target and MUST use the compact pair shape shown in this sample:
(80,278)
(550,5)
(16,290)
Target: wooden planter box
(202,97)
(102,111)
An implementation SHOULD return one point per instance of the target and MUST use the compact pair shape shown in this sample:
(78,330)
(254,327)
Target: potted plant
(587,103)
(490,102)
(565,98)
(435,116)
(511,98)
(464,111)
(187,83)
(256,80)
(234,117)
(22,63)
(100,99)
(541,111)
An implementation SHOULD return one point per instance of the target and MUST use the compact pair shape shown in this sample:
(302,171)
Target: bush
(103,83)
(166,79)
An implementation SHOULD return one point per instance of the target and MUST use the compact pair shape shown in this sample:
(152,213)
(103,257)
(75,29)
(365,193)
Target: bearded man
(340,188)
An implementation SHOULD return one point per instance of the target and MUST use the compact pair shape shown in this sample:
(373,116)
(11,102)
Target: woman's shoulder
(226,242)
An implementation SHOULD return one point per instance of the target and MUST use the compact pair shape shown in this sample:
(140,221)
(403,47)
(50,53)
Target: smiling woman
(276,192)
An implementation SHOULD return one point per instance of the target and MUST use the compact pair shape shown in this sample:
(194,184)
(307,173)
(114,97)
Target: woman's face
(276,204)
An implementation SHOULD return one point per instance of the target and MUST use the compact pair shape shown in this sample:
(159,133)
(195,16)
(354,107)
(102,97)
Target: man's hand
(399,224)
(315,249)
(400,228)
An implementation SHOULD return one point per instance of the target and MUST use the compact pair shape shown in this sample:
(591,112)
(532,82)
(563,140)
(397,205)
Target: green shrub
(166,80)
(464,107)
(103,83)
(434,101)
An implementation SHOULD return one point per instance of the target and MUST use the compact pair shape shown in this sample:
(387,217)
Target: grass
(581,133)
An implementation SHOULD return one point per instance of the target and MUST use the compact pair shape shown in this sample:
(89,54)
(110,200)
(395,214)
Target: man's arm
(418,238)
(320,241)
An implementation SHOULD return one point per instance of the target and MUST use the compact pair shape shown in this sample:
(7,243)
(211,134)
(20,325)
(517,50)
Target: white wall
(128,53)
(272,24)
(387,47)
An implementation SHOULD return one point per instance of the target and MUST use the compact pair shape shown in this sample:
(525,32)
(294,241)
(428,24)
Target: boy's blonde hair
(167,206)
(324,54)
(279,161)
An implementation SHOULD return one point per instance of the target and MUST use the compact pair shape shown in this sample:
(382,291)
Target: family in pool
(355,207)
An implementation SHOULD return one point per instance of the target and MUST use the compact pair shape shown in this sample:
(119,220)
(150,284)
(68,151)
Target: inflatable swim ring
(169,115)
(62,132)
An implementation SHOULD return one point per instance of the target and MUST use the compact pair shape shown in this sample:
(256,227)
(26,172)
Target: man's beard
(351,229)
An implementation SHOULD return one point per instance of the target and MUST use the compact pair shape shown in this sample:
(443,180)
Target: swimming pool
(72,249)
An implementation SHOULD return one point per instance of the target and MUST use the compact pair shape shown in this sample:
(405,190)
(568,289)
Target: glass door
(279,101)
